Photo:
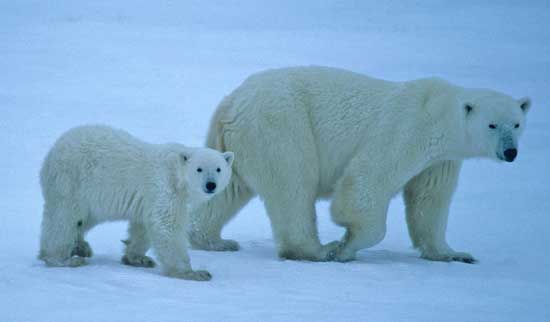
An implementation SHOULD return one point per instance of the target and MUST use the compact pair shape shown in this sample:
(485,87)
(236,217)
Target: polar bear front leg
(427,199)
(167,234)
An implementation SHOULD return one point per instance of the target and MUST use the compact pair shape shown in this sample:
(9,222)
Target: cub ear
(468,108)
(525,104)
(229,157)
(185,156)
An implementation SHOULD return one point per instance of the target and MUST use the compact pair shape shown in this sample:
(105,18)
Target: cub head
(202,172)
(207,171)
(494,123)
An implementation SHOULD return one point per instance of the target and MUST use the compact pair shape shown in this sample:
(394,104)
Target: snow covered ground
(158,69)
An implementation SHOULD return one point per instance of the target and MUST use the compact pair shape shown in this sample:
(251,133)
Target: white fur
(95,174)
(301,134)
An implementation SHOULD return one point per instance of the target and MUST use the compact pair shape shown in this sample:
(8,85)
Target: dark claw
(149,263)
(331,256)
(465,260)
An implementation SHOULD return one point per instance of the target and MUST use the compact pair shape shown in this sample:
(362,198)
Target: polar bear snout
(510,154)
(210,187)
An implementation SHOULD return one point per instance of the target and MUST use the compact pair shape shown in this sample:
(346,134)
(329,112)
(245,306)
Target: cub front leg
(428,198)
(167,233)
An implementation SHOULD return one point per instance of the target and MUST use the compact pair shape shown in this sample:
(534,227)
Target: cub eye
(218,170)
(199,170)
(516,126)
(492,126)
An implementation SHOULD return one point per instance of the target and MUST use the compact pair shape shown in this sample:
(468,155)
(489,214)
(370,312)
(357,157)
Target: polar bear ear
(468,108)
(525,104)
(229,157)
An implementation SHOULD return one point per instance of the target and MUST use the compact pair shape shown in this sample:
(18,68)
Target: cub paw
(217,245)
(138,260)
(82,249)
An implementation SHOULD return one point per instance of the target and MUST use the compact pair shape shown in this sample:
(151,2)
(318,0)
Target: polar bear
(95,174)
(307,133)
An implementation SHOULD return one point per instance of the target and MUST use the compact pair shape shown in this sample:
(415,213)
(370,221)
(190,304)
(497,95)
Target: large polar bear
(301,134)
(95,174)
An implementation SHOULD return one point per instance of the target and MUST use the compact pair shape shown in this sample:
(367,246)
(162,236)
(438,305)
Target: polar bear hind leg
(208,220)
(291,211)
(286,178)
(427,199)
(360,207)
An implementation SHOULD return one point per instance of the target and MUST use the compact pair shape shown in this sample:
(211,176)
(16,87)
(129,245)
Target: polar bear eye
(492,126)
(516,126)
(218,170)
(199,170)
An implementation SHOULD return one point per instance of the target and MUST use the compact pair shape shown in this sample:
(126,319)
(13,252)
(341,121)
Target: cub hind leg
(60,236)
(137,244)
(82,247)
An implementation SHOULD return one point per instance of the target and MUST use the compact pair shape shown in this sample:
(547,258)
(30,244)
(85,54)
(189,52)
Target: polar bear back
(344,112)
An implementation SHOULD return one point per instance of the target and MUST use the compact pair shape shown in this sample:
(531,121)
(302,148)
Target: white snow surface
(158,69)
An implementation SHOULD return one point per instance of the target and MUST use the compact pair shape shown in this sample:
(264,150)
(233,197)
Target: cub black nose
(210,187)
(510,154)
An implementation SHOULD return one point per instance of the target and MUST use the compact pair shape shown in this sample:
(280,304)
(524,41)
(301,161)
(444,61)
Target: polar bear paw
(138,260)
(331,250)
(223,245)
(450,257)
(344,254)
(326,253)
(191,275)
(76,261)
(73,261)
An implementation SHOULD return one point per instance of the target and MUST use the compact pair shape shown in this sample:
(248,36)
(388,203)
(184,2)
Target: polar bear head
(494,123)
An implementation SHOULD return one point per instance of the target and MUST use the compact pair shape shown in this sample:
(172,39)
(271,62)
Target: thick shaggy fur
(95,174)
(301,134)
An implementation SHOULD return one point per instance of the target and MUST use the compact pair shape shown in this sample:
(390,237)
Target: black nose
(510,154)
(210,187)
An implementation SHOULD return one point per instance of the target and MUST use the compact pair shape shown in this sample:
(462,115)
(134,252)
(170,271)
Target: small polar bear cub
(95,174)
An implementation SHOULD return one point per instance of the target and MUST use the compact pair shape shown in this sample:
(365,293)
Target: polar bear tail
(208,220)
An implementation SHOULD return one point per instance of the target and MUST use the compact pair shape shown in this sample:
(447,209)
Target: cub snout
(210,187)
(510,155)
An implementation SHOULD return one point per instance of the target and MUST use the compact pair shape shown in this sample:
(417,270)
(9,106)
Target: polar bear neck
(448,139)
